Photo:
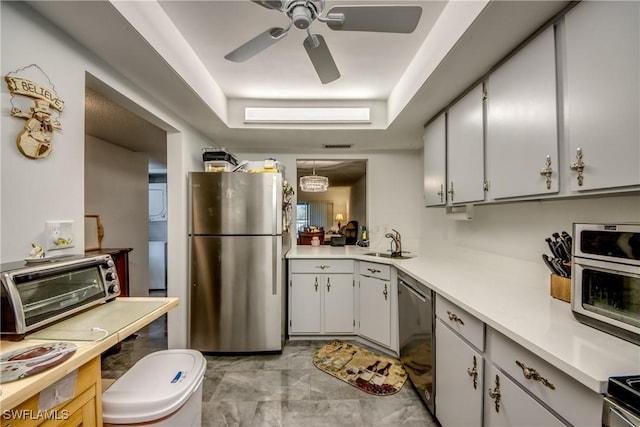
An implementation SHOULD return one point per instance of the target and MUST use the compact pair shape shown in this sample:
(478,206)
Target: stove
(622,403)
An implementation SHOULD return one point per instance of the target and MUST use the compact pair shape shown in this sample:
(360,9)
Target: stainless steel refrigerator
(236,288)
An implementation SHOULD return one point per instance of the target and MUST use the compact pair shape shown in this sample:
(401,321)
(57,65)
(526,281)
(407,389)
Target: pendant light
(314,183)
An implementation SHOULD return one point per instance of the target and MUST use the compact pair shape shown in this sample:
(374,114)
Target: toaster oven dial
(114,289)
(111,276)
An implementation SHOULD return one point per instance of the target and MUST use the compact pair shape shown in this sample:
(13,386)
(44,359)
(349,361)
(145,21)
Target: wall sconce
(339,218)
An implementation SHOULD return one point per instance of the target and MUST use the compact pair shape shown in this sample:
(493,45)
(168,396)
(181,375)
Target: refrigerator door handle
(274,269)
(275,205)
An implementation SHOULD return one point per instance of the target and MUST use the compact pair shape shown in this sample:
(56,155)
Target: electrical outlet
(59,235)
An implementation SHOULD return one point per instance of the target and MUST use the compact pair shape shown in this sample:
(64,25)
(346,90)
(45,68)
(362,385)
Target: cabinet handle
(494,393)
(454,318)
(532,374)
(451,192)
(547,171)
(328,284)
(441,193)
(316,284)
(385,292)
(322,266)
(473,373)
(373,270)
(578,166)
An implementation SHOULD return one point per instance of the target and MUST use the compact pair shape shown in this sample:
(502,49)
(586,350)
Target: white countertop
(512,297)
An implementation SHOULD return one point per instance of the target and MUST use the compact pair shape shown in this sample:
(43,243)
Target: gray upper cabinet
(435,162)
(603,94)
(522,132)
(465,149)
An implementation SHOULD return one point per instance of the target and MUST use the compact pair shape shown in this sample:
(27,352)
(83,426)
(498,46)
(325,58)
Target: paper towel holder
(460,213)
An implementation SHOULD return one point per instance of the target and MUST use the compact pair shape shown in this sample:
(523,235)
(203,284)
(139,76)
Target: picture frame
(93,233)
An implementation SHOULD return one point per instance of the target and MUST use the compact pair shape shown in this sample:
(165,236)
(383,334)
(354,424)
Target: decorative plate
(31,360)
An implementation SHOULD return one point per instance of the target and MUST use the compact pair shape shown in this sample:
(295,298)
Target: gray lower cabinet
(506,404)
(377,294)
(321,297)
(459,378)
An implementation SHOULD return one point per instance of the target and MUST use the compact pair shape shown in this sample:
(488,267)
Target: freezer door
(235,203)
(235,294)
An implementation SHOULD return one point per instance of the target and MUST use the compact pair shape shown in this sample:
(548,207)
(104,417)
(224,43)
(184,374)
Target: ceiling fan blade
(269,4)
(256,45)
(381,19)
(321,58)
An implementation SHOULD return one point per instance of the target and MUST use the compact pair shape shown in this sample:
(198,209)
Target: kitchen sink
(386,255)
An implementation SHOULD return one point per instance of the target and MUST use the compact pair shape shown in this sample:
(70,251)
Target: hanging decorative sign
(34,141)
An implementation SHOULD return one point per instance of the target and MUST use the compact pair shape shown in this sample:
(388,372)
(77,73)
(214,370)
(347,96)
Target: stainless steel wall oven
(606,278)
(36,295)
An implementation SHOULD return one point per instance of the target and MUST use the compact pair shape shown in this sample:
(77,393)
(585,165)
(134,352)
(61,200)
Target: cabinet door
(459,370)
(435,163)
(375,309)
(305,303)
(522,122)
(506,404)
(465,148)
(338,303)
(603,93)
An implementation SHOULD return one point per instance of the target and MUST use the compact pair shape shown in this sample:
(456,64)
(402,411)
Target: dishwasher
(417,337)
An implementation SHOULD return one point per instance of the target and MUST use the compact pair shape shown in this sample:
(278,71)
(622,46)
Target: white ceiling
(175,50)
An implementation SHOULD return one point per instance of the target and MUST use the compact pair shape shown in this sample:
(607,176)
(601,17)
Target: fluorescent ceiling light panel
(306,115)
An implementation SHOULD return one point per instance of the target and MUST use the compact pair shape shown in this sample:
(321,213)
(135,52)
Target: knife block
(561,287)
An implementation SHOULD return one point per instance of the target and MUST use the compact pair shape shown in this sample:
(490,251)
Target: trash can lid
(156,386)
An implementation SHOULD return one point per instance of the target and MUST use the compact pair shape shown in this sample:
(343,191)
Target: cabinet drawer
(371,269)
(321,266)
(468,326)
(566,396)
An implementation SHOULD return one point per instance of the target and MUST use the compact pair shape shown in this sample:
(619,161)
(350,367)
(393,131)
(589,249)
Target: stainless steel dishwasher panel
(417,343)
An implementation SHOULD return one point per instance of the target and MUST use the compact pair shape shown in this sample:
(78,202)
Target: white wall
(518,229)
(117,189)
(32,192)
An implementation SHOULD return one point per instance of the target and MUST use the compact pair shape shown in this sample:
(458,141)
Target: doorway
(122,147)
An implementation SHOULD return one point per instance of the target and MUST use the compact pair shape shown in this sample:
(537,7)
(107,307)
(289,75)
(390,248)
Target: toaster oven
(606,278)
(36,295)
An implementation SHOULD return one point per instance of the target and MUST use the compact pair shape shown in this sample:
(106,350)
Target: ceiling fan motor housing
(303,12)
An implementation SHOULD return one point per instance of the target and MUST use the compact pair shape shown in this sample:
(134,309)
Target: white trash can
(162,389)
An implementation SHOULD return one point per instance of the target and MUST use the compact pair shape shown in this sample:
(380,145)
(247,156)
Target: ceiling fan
(302,13)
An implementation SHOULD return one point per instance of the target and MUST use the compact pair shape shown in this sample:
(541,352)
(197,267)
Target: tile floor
(278,390)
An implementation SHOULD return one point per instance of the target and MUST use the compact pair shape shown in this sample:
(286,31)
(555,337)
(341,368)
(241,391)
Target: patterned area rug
(362,368)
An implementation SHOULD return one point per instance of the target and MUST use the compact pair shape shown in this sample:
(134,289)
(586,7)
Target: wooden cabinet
(459,373)
(321,303)
(522,131)
(603,94)
(84,409)
(505,404)
(435,177)
(465,149)
(377,295)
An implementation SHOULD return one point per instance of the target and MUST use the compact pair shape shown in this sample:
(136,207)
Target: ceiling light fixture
(307,115)
(314,183)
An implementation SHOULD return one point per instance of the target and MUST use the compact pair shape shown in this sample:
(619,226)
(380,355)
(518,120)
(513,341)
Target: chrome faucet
(396,243)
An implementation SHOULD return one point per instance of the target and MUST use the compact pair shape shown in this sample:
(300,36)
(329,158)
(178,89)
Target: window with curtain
(319,214)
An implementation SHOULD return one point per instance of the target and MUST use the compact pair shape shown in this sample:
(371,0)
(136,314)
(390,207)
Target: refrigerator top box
(218,154)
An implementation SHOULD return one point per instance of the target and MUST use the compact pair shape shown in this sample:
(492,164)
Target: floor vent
(337,145)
